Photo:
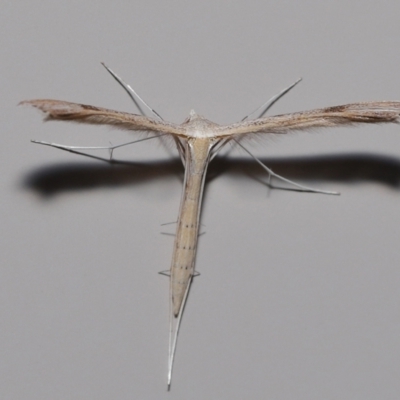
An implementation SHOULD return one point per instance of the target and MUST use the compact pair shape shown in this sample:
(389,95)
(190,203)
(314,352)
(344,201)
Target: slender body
(185,246)
(197,157)
(198,140)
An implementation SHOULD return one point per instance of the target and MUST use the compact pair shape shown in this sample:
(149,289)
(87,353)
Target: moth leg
(272,173)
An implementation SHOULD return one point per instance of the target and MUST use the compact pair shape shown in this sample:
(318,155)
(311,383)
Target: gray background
(298,296)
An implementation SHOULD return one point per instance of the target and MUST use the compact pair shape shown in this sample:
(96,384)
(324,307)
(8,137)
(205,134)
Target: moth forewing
(84,113)
(345,115)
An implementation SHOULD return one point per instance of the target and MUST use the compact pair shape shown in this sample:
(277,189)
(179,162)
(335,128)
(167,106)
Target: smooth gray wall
(298,296)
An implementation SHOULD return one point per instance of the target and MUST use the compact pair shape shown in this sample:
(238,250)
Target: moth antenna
(272,173)
(267,105)
(132,94)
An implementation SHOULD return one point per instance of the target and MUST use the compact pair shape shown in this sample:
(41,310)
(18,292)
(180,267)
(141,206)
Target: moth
(198,140)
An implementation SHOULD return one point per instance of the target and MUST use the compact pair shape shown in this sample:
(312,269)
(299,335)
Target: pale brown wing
(66,111)
(371,112)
